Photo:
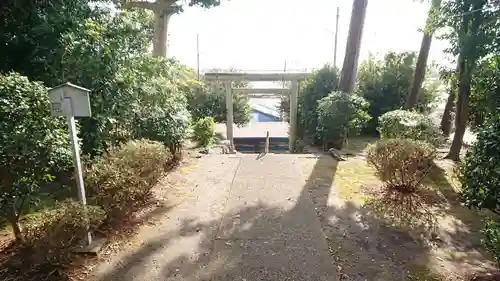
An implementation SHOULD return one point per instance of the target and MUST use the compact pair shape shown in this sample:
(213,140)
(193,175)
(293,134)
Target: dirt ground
(443,243)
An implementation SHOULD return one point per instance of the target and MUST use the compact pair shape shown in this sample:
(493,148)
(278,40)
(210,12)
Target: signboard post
(70,100)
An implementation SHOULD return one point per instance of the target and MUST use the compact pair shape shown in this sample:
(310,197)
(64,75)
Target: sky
(260,35)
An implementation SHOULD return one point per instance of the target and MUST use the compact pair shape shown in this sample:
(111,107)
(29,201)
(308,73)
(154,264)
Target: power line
(483,9)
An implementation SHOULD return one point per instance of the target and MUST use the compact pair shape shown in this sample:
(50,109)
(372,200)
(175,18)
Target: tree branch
(139,4)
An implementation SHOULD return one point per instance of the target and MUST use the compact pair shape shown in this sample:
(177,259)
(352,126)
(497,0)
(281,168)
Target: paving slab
(291,260)
(269,194)
(247,219)
(276,234)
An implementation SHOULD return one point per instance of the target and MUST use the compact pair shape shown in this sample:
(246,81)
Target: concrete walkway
(245,219)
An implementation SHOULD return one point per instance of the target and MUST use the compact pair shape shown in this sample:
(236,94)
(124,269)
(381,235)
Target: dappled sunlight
(240,227)
(442,235)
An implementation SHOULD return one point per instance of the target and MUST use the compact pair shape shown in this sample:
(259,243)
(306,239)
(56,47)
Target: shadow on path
(258,240)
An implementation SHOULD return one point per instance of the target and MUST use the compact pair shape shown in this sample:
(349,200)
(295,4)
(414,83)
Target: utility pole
(336,38)
(350,66)
(198,54)
(283,82)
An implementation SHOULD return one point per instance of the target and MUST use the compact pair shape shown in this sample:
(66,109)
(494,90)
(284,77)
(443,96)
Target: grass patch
(455,228)
(351,176)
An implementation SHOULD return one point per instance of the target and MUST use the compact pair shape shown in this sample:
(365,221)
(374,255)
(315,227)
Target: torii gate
(227,78)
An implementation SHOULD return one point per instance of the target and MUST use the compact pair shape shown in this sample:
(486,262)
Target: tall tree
(474,28)
(423,55)
(350,66)
(447,119)
(163,10)
(31,35)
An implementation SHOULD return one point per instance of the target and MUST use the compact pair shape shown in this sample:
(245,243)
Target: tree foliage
(208,99)
(341,115)
(470,26)
(200,3)
(480,170)
(204,130)
(33,145)
(321,84)
(491,239)
(31,37)
(409,125)
(485,92)
(384,84)
(133,95)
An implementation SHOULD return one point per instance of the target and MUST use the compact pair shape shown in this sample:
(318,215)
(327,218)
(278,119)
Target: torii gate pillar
(294,93)
(229,115)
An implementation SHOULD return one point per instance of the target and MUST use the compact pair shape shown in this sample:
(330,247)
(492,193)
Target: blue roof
(266,110)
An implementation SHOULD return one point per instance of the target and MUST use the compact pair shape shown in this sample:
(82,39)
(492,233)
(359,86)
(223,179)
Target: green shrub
(204,130)
(33,145)
(52,234)
(168,123)
(209,100)
(479,172)
(491,240)
(385,83)
(122,179)
(340,115)
(117,76)
(402,163)
(409,125)
(62,226)
(135,96)
(323,82)
(484,97)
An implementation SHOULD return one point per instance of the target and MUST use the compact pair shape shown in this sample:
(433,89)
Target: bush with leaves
(410,125)
(491,240)
(162,113)
(54,231)
(479,172)
(121,179)
(204,130)
(485,92)
(341,115)
(208,99)
(384,84)
(402,164)
(33,145)
(321,84)
(105,54)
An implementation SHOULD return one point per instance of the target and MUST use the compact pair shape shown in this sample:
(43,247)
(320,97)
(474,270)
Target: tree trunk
(419,74)
(448,109)
(350,66)
(462,112)
(13,219)
(423,55)
(160,46)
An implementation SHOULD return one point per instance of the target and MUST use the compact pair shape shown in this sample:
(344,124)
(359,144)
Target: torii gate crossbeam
(229,77)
